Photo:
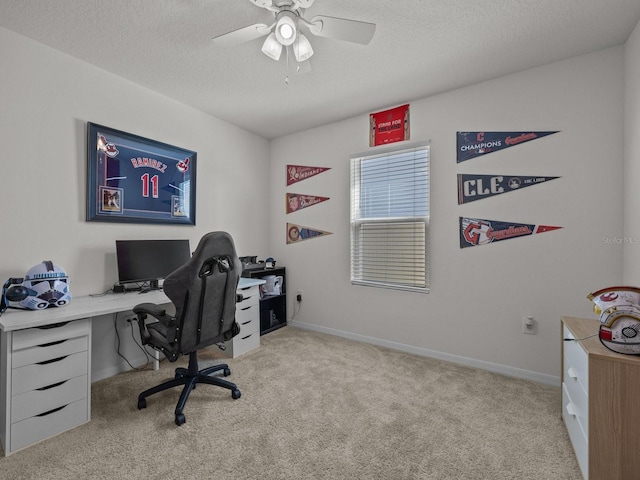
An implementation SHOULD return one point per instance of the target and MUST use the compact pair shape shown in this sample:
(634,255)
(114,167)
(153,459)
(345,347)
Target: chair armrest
(159,313)
(150,308)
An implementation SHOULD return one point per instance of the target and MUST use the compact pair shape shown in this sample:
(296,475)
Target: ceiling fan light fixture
(302,48)
(271,47)
(286,29)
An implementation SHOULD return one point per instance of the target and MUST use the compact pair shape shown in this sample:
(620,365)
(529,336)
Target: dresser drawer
(577,357)
(49,351)
(37,428)
(40,336)
(45,399)
(577,435)
(40,375)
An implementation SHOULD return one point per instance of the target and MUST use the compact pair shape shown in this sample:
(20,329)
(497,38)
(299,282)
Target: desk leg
(156,360)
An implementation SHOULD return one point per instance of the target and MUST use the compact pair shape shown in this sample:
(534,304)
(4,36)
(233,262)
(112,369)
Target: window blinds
(389,219)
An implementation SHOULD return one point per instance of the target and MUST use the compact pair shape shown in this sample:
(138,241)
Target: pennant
(473,144)
(476,187)
(297,201)
(476,231)
(389,126)
(298,233)
(298,173)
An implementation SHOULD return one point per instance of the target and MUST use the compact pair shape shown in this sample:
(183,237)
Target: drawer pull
(246,323)
(53,385)
(572,373)
(246,308)
(51,344)
(53,360)
(244,338)
(50,411)
(570,410)
(53,325)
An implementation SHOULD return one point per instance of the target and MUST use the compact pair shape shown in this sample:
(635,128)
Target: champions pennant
(298,173)
(476,231)
(297,201)
(298,233)
(477,187)
(473,144)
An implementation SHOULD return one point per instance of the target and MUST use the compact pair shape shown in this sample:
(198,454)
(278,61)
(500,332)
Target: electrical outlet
(299,296)
(529,325)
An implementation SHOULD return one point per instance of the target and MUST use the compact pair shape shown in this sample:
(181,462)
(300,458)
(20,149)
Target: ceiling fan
(286,30)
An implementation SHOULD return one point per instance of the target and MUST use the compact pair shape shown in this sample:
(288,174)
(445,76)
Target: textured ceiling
(420,48)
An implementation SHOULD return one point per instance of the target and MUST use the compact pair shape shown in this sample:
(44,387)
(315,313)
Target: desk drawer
(248,323)
(40,375)
(35,402)
(40,336)
(37,428)
(244,343)
(49,351)
(251,297)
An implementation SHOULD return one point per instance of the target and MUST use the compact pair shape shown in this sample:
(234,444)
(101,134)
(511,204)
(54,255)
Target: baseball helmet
(46,285)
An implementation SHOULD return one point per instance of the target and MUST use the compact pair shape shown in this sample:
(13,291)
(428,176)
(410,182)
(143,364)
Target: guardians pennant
(298,173)
(473,144)
(476,187)
(298,233)
(476,231)
(297,201)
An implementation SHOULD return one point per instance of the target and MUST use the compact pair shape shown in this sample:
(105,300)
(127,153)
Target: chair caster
(142,403)
(235,394)
(226,372)
(180,419)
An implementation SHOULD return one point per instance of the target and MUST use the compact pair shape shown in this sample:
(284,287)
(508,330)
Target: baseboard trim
(543,378)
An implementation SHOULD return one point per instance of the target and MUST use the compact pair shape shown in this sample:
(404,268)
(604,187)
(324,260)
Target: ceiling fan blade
(343,29)
(242,35)
(262,3)
(303,3)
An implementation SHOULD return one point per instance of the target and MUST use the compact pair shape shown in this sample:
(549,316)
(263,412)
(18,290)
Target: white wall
(46,99)
(478,295)
(632,160)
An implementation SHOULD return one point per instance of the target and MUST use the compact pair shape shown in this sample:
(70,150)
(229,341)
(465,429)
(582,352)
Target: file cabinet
(248,318)
(600,392)
(46,384)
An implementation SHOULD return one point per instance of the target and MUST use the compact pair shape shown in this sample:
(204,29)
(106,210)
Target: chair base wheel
(180,419)
(142,403)
(235,394)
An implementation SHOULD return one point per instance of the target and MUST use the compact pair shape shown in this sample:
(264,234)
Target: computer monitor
(147,261)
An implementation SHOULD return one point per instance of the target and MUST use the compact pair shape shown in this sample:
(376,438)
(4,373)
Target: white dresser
(600,403)
(47,388)
(248,318)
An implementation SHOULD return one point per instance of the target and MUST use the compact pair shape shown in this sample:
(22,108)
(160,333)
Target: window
(390,219)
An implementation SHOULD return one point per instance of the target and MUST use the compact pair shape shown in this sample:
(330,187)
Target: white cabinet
(248,318)
(600,391)
(46,386)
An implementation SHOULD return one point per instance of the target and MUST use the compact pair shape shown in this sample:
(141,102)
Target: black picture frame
(133,179)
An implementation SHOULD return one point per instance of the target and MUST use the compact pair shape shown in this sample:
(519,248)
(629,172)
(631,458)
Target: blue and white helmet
(47,286)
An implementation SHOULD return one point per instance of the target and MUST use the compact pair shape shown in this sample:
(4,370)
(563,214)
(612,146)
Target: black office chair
(204,294)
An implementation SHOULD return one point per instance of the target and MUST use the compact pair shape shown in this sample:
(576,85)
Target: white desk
(45,362)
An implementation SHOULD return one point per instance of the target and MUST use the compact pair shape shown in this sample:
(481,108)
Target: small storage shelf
(273,308)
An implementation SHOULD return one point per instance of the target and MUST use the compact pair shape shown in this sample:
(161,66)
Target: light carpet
(315,406)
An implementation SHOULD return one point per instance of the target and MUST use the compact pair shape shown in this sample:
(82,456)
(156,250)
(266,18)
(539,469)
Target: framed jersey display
(138,180)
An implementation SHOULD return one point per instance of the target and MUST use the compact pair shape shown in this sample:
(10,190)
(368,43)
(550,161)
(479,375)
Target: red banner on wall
(389,126)
(297,201)
(298,173)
